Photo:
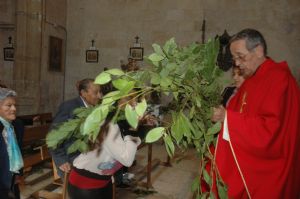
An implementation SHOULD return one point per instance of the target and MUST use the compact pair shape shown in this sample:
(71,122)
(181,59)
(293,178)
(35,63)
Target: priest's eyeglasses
(241,57)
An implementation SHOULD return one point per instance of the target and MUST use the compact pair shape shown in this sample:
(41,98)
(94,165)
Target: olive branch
(190,78)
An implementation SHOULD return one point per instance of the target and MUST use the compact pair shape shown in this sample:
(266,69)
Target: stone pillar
(28,55)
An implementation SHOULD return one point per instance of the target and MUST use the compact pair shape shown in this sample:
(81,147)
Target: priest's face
(247,60)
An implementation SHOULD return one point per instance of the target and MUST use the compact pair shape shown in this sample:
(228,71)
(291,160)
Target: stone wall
(114,24)
(7,29)
(39,89)
(53,82)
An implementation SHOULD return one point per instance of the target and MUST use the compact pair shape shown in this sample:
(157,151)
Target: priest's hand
(218,114)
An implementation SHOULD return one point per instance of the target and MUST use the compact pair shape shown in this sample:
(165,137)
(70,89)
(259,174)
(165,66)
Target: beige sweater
(113,154)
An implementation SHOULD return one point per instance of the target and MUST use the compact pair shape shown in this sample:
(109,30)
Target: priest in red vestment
(258,148)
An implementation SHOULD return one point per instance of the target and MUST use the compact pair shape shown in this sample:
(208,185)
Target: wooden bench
(34,141)
(39,118)
(53,195)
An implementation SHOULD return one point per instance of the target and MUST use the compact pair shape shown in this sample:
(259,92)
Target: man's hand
(218,114)
(66,167)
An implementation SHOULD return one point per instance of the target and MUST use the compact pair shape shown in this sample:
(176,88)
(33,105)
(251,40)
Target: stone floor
(172,182)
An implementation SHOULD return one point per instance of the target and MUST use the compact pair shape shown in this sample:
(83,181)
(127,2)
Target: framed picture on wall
(136,53)
(8,54)
(55,54)
(91,56)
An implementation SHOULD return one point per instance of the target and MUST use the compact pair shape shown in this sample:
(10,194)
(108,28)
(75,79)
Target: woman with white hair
(11,161)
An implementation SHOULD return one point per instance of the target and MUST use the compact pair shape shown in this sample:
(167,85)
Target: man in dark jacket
(89,95)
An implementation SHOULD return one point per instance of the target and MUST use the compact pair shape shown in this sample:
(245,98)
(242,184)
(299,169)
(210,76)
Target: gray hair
(5,93)
(253,39)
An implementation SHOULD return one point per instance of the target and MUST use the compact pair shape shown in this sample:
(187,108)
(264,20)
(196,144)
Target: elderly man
(258,152)
(89,95)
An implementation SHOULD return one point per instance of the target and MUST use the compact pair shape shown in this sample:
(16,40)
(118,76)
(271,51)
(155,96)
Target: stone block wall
(33,21)
(114,24)
(7,29)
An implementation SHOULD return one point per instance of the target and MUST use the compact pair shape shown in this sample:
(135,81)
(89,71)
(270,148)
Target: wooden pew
(39,118)
(34,141)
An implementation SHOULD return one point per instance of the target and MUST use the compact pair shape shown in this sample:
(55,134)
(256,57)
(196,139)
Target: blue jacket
(6,176)
(65,112)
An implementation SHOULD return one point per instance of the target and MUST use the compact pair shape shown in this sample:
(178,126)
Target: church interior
(48,46)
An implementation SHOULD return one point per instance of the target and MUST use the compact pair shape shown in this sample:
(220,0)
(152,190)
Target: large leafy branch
(189,77)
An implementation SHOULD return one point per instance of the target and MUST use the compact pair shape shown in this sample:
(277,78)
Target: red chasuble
(262,158)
